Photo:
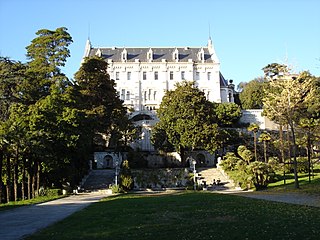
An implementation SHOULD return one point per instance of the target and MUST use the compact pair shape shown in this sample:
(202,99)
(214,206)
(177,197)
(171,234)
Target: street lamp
(117,168)
(194,174)
(193,163)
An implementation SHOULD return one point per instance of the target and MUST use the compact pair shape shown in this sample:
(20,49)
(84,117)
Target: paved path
(23,221)
(286,197)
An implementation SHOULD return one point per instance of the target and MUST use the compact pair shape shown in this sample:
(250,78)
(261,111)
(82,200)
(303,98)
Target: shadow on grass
(187,215)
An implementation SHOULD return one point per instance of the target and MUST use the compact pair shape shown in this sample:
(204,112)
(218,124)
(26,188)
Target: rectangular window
(197,76)
(171,75)
(183,77)
(144,75)
(123,92)
(128,95)
(209,75)
(117,75)
(129,75)
(156,76)
(154,95)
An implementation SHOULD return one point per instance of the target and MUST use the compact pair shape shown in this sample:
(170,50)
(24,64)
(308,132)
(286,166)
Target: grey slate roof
(159,53)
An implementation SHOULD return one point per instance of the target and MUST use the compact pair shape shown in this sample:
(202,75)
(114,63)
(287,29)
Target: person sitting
(218,181)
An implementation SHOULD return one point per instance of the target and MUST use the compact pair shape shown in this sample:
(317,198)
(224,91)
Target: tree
(253,127)
(264,137)
(252,94)
(11,74)
(285,99)
(46,54)
(187,119)
(99,100)
(227,114)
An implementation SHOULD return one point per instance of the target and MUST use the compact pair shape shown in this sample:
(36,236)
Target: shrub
(49,192)
(126,179)
(116,189)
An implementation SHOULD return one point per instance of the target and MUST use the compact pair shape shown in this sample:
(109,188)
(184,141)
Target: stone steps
(99,180)
(209,174)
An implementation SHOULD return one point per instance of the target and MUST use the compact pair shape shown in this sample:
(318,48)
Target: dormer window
(150,55)
(98,53)
(201,55)
(124,55)
(175,55)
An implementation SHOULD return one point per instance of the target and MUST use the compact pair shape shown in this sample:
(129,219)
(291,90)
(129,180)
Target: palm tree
(265,137)
(254,128)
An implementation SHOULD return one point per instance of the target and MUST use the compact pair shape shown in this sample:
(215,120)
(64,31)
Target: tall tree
(47,53)
(284,101)
(99,99)
(252,94)
(188,119)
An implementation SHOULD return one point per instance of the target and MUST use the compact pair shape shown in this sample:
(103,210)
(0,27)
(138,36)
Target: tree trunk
(38,178)
(265,151)
(15,175)
(309,155)
(15,181)
(255,145)
(295,163)
(282,153)
(23,178)
(29,184)
(8,184)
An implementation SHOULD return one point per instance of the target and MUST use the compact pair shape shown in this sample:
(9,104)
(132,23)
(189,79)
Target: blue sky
(247,34)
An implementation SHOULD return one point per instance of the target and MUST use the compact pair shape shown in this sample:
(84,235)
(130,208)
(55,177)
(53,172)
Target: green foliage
(247,173)
(252,94)
(116,189)
(245,153)
(227,114)
(100,102)
(126,179)
(187,119)
(50,192)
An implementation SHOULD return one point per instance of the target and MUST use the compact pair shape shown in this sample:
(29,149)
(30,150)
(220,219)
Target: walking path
(286,197)
(23,221)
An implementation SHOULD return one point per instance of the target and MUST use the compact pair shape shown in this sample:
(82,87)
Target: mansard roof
(159,54)
(223,81)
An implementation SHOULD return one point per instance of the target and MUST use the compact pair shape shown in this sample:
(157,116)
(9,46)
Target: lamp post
(116,178)
(194,174)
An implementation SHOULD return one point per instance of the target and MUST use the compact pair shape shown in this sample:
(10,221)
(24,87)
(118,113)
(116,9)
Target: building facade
(143,75)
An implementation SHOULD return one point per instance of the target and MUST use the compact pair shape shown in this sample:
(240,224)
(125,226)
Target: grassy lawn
(312,187)
(10,205)
(187,215)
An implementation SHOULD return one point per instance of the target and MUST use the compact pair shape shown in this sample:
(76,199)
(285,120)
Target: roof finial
(89,31)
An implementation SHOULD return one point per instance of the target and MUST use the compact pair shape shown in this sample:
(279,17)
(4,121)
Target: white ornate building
(143,75)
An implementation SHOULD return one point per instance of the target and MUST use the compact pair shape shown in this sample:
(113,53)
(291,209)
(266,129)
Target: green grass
(312,187)
(187,215)
(10,205)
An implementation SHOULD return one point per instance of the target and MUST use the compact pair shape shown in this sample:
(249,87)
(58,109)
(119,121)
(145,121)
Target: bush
(126,179)
(116,189)
(49,192)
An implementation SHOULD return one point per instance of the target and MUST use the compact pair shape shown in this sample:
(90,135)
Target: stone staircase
(99,180)
(208,174)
